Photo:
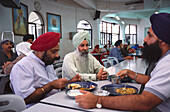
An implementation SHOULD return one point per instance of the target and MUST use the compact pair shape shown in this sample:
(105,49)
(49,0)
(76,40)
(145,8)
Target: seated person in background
(6,53)
(28,38)
(22,50)
(33,77)
(96,49)
(81,61)
(135,46)
(104,49)
(156,95)
(116,52)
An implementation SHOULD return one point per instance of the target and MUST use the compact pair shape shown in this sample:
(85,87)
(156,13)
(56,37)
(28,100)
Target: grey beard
(83,61)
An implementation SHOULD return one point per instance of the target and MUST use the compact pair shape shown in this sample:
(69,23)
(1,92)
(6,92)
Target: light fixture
(117,17)
(156,12)
(122,22)
(158,6)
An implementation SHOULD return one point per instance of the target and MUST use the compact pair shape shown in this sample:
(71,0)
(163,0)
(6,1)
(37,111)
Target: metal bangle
(43,90)
(136,75)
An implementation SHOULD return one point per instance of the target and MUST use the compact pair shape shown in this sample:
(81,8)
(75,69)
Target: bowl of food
(101,93)
(73,93)
(120,89)
(87,86)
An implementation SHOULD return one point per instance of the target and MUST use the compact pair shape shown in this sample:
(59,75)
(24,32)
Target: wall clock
(37,5)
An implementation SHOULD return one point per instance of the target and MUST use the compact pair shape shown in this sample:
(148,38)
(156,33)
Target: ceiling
(126,9)
(132,9)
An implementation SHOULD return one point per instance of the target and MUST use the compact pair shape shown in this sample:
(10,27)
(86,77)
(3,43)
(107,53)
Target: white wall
(70,16)
(140,30)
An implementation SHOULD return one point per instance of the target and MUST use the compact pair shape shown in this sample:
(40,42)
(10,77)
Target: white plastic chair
(107,63)
(58,72)
(113,60)
(11,103)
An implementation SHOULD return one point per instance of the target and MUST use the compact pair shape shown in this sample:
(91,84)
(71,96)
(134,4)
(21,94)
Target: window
(131,34)
(109,32)
(83,25)
(35,24)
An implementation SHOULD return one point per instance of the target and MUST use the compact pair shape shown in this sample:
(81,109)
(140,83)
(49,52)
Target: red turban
(46,41)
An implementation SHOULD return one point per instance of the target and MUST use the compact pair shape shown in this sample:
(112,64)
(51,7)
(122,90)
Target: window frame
(133,36)
(105,36)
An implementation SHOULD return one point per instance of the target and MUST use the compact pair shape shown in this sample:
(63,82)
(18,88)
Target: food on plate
(88,88)
(124,90)
(82,87)
(74,86)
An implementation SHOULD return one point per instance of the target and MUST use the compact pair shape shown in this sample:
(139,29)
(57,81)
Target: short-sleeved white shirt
(29,74)
(159,84)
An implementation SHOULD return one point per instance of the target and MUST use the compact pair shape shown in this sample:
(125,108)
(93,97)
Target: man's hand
(6,64)
(123,73)
(76,78)
(128,57)
(59,83)
(102,74)
(86,101)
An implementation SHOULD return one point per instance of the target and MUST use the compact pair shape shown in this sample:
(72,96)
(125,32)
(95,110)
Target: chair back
(11,103)
(103,56)
(5,85)
(106,62)
(113,60)
(58,72)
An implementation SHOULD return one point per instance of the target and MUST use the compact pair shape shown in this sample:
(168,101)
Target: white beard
(83,61)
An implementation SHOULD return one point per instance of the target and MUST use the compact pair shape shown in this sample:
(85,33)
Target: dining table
(62,102)
(61,99)
(138,65)
(137,53)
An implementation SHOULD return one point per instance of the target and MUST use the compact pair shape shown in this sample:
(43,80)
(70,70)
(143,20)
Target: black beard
(47,59)
(124,52)
(151,53)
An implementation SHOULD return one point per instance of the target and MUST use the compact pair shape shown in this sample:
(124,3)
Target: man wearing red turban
(33,77)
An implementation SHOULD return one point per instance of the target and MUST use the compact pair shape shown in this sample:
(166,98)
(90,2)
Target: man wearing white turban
(81,61)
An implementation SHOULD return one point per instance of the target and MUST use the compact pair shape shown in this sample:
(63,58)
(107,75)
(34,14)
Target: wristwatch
(99,105)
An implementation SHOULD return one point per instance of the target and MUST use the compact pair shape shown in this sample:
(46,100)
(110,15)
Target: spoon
(124,87)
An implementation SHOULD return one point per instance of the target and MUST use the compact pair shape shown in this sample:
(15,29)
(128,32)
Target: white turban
(79,37)
(23,48)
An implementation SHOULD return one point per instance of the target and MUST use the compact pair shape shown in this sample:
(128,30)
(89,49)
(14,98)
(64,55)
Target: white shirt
(29,74)
(159,84)
(71,67)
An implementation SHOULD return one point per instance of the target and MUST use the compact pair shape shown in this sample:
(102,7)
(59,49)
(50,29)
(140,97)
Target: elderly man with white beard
(81,61)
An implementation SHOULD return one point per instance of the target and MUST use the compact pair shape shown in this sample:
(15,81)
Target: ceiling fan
(134,2)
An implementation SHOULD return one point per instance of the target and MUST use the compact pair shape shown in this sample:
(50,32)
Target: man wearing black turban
(156,95)
(116,52)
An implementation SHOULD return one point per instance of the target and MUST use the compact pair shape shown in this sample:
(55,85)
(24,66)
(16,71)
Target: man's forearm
(38,94)
(143,102)
(140,78)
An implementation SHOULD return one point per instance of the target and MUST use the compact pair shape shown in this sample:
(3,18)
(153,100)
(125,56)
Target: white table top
(62,99)
(39,107)
(137,65)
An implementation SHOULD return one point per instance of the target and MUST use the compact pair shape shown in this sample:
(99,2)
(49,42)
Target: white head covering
(79,37)
(23,48)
